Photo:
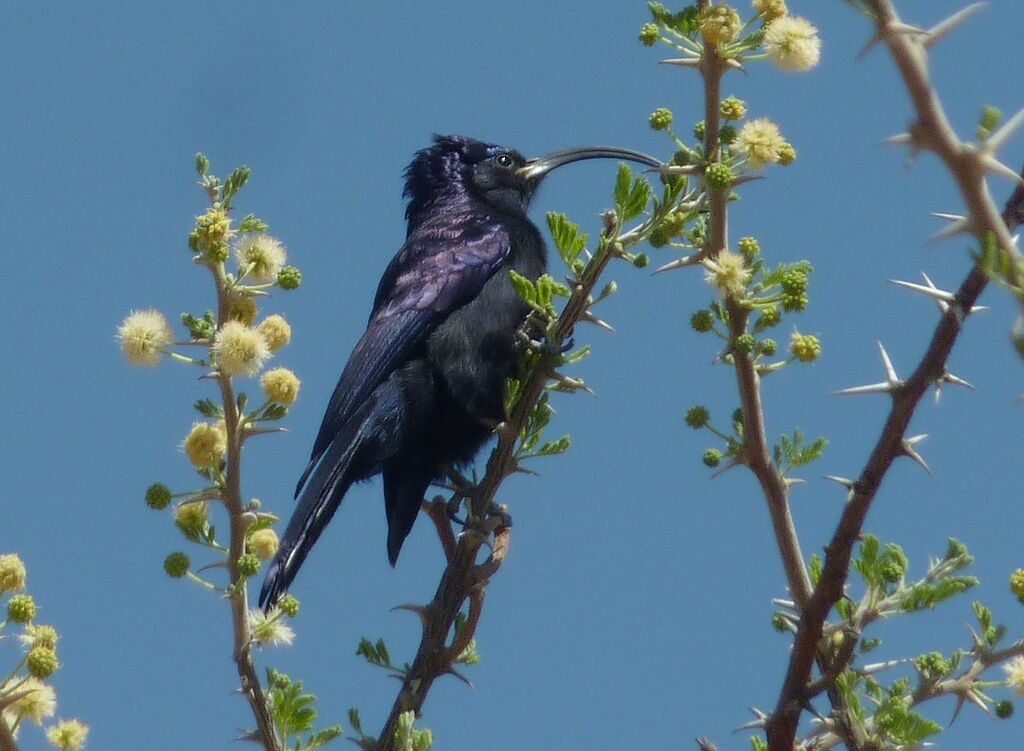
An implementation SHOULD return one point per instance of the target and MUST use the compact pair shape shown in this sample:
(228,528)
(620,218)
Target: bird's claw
(499,513)
(452,509)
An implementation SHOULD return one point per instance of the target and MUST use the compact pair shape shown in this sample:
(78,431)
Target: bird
(424,386)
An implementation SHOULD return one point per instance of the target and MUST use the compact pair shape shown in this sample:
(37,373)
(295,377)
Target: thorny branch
(933,128)
(463,578)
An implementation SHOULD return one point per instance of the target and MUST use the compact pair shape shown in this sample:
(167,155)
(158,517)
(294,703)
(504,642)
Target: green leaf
(623,179)
(927,595)
(202,164)
(814,569)
(553,448)
(208,408)
(235,182)
(523,287)
(252,224)
(568,239)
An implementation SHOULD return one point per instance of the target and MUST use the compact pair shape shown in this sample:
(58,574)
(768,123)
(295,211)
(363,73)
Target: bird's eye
(504,160)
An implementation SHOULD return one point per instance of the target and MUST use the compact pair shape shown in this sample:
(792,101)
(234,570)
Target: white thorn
(846,482)
(890,371)
(678,264)
(746,179)
(591,318)
(1004,133)
(869,46)
(941,30)
(734,462)
(683,62)
(948,377)
(900,139)
(735,65)
(872,388)
(948,217)
(791,481)
(908,450)
(930,290)
(954,228)
(996,167)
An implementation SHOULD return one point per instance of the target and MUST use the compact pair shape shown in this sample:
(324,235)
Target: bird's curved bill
(542,165)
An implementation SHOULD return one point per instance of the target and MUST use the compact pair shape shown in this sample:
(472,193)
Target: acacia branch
(463,578)
(782,725)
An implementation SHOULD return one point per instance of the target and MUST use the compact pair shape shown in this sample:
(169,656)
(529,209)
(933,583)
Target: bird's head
(498,175)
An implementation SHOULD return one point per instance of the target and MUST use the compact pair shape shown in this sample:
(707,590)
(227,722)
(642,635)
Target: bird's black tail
(321,498)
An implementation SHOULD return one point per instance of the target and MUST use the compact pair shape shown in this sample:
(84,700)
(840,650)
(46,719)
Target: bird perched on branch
(424,386)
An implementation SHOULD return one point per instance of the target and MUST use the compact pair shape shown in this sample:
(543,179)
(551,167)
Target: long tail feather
(321,498)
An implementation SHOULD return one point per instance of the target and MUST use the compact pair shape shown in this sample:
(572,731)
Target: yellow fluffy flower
(719,24)
(12,573)
(280,385)
(276,332)
(239,350)
(262,255)
(69,735)
(263,543)
(727,273)
(760,141)
(769,10)
(205,444)
(142,335)
(792,43)
(38,703)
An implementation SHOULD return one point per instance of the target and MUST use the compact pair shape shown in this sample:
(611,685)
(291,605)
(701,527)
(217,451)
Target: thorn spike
(678,264)
(890,371)
(941,30)
(996,167)
(873,388)
(846,482)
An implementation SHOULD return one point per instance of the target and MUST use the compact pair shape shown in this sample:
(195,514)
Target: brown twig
(781,727)
(463,578)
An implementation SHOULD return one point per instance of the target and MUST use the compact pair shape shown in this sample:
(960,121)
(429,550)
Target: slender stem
(231,496)
(7,742)
(463,578)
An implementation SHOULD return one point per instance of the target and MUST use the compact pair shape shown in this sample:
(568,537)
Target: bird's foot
(497,514)
(452,508)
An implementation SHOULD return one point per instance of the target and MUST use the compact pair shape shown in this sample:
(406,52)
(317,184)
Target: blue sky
(633,609)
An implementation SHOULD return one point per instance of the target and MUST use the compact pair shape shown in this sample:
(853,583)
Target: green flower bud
(660,119)
(794,303)
(697,417)
(641,260)
(702,321)
(289,605)
(699,130)
(745,344)
(769,347)
(732,108)
(805,347)
(933,665)
(289,278)
(1004,709)
(21,608)
(780,623)
(158,496)
(41,662)
(176,565)
(248,564)
(727,135)
(718,176)
(786,154)
(649,34)
(680,158)
(794,282)
(771,316)
(218,253)
(1017,584)
(712,457)
(749,247)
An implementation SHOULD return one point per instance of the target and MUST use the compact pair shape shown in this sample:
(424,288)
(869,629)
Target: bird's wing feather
(438,270)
